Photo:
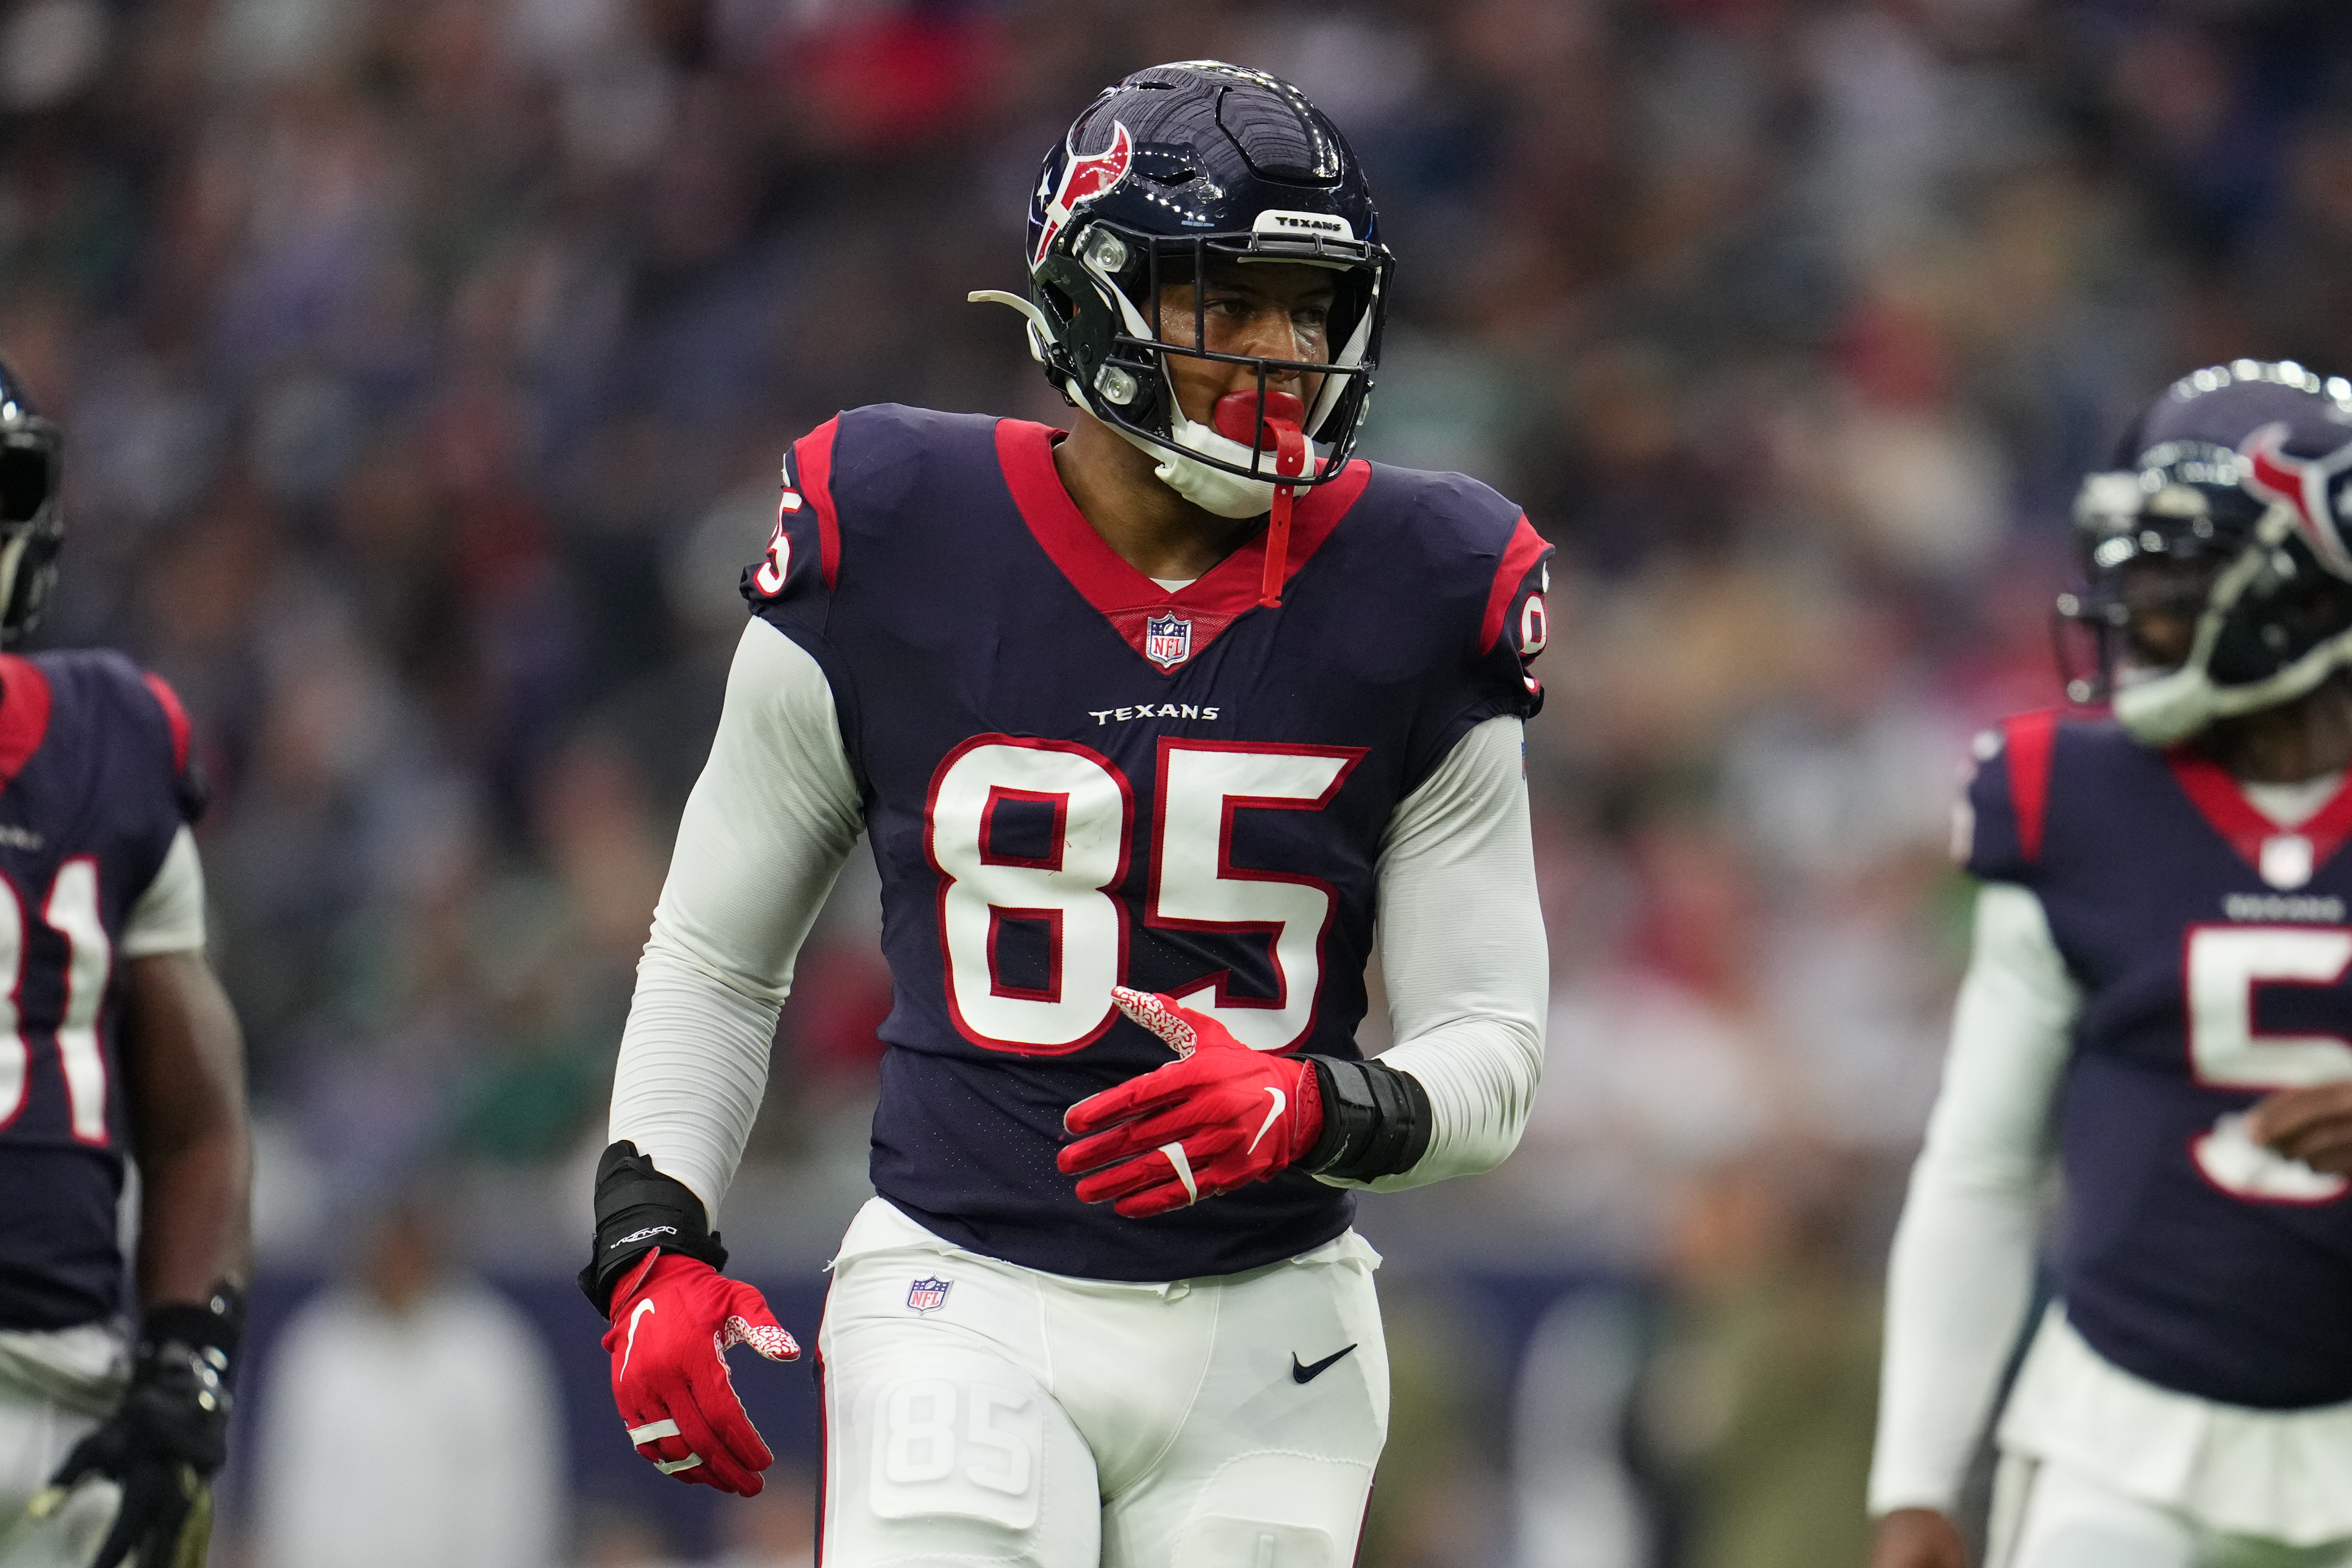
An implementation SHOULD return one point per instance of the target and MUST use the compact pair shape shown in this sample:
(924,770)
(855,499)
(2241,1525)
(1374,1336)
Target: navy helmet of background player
(1140,773)
(1164,174)
(2156,996)
(2225,511)
(96,788)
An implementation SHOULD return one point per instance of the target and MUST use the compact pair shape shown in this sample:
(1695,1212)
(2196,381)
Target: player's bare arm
(188,1131)
(185,1058)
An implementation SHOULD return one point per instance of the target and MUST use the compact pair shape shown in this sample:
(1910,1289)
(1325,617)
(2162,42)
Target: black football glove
(165,1439)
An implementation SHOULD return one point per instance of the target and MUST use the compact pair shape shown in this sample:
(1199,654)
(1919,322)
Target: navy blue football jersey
(1074,778)
(2213,948)
(95,783)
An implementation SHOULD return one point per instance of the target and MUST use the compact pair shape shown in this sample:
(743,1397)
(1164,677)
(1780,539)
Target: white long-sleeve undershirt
(776,812)
(1961,1275)
(765,831)
(1463,952)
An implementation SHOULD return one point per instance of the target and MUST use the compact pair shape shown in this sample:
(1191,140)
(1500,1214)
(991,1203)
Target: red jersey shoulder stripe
(1519,557)
(175,715)
(24,713)
(813,468)
(2028,741)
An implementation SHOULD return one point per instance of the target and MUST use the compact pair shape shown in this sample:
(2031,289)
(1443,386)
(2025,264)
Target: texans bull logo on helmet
(2306,485)
(1084,179)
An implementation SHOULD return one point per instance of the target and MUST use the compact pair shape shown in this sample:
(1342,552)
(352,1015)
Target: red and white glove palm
(674,1321)
(1220,1117)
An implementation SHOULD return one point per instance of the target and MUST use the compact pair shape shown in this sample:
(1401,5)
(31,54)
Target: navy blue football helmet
(32,525)
(2235,485)
(1172,167)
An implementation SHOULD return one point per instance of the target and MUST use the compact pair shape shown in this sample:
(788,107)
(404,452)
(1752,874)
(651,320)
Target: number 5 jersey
(2210,944)
(1074,777)
(2155,952)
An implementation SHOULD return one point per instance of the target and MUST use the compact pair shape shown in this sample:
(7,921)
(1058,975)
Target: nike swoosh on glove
(674,1321)
(1221,1117)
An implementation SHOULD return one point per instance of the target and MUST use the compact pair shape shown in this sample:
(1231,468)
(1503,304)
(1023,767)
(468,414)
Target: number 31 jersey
(2213,950)
(95,786)
(1074,778)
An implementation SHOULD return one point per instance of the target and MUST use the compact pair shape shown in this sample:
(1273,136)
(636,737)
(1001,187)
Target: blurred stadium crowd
(424,365)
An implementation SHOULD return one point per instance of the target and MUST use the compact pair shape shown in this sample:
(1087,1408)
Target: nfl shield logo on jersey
(1168,640)
(928,1295)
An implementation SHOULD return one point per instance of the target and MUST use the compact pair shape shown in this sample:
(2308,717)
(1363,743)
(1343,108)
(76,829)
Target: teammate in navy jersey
(2160,1004)
(116,1045)
(1159,728)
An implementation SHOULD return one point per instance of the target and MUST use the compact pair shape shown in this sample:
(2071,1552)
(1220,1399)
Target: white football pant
(52,1384)
(980,1412)
(2048,1514)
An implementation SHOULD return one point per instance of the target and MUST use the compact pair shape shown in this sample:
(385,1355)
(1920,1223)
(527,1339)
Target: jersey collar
(2242,825)
(1124,596)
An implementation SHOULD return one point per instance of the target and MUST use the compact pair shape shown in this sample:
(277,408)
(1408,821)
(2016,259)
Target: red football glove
(1220,1118)
(674,1320)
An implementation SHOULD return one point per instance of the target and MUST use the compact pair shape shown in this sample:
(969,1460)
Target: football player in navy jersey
(115,1046)
(1156,727)
(2160,1006)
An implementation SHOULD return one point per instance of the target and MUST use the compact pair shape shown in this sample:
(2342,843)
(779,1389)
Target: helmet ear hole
(23,481)
(32,525)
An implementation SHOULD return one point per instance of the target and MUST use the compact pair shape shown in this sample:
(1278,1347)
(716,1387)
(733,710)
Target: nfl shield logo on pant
(1167,640)
(929,1294)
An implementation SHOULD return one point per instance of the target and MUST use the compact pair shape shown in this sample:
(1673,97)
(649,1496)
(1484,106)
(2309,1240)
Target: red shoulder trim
(813,466)
(1527,547)
(2028,740)
(24,713)
(174,715)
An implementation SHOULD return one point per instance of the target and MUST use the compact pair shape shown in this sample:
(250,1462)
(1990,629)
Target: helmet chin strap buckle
(1258,423)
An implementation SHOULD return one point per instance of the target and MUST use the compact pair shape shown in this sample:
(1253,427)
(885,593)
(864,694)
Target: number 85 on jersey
(1032,841)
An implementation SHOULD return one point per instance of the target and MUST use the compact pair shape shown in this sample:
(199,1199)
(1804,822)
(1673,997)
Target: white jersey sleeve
(771,820)
(1961,1275)
(1461,948)
(169,916)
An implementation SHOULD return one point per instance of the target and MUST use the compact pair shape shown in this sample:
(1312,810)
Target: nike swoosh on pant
(1281,1102)
(1309,1373)
(629,1346)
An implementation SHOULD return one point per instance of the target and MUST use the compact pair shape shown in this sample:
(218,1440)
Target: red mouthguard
(1236,417)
